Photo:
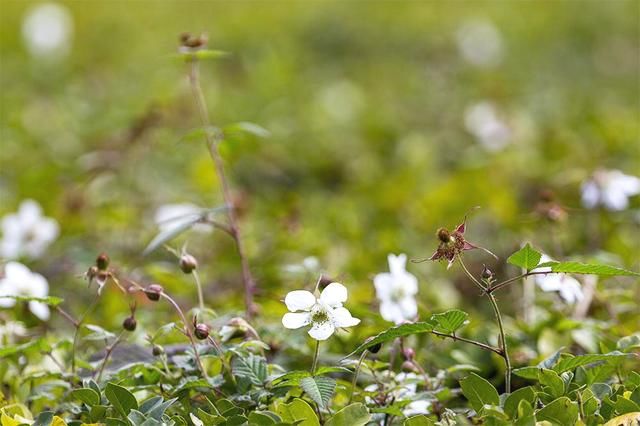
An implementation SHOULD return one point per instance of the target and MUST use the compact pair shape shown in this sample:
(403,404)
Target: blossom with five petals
(325,313)
(20,281)
(27,232)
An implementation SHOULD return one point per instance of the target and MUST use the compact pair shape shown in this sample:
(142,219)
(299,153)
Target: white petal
(409,307)
(391,311)
(630,185)
(30,213)
(299,300)
(342,318)
(322,331)
(590,194)
(571,290)
(384,285)
(296,320)
(397,264)
(37,286)
(417,407)
(551,282)
(16,272)
(614,198)
(334,295)
(41,310)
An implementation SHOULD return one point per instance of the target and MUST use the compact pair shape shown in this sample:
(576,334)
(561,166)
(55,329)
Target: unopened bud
(102,262)
(129,323)
(153,292)
(188,263)
(157,350)
(487,274)
(91,273)
(409,354)
(408,366)
(201,331)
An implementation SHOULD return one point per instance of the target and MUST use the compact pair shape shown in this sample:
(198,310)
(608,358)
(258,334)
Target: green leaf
(97,333)
(86,395)
(479,392)
(450,321)
(561,411)
(252,367)
(50,300)
(526,258)
(571,363)
(551,381)
(625,406)
(418,421)
(395,332)
(351,415)
(530,373)
(44,419)
(319,388)
(297,411)
(588,268)
(121,399)
(261,419)
(170,233)
(247,127)
(513,400)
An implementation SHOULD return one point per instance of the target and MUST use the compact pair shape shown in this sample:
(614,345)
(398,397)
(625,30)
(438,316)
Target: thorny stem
(188,332)
(488,291)
(234,229)
(76,334)
(108,353)
(356,372)
(315,358)
(196,277)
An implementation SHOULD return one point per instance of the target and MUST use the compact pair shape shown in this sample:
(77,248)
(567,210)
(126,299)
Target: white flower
(396,291)
(610,188)
(171,216)
(569,288)
(483,122)
(480,43)
(404,387)
(27,232)
(10,330)
(325,313)
(20,281)
(47,31)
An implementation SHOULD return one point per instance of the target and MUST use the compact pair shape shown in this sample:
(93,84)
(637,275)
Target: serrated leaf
(395,332)
(527,258)
(121,399)
(568,364)
(450,321)
(588,268)
(250,366)
(351,415)
(479,392)
(320,389)
(561,411)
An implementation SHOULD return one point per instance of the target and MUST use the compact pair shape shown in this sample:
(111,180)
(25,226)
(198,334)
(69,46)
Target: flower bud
(102,262)
(408,366)
(487,274)
(157,350)
(188,263)
(91,273)
(153,292)
(201,331)
(129,323)
(409,354)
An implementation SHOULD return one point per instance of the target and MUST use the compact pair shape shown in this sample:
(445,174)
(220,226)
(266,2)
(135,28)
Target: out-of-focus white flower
(404,387)
(396,291)
(18,280)
(27,232)
(610,188)
(10,330)
(171,216)
(47,31)
(480,43)
(483,122)
(308,265)
(325,313)
(569,288)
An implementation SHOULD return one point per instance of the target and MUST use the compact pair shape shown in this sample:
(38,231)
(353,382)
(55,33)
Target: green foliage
(319,388)
(121,399)
(351,415)
(479,392)
(525,258)
(588,268)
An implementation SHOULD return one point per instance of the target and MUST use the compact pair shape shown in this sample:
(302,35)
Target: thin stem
(472,342)
(234,229)
(503,343)
(356,372)
(505,283)
(196,277)
(76,334)
(67,316)
(470,275)
(187,331)
(108,353)
(315,358)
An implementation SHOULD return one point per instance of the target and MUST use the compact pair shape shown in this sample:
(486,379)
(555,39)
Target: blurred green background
(372,147)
